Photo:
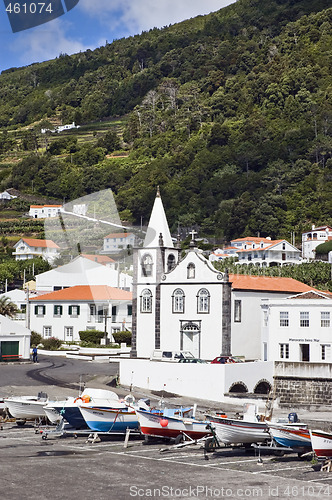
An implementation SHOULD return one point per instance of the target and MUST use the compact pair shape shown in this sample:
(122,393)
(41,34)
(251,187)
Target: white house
(223,253)
(116,242)
(298,328)
(82,271)
(101,259)
(14,340)
(179,303)
(266,252)
(62,314)
(29,248)
(19,298)
(313,238)
(44,211)
(247,295)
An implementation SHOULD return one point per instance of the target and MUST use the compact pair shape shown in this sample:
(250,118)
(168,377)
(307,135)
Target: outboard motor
(293,418)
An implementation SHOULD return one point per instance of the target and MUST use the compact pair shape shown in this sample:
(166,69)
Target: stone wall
(303,384)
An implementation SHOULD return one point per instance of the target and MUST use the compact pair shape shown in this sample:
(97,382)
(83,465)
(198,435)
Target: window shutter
(36,310)
(44,310)
(78,310)
(70,310)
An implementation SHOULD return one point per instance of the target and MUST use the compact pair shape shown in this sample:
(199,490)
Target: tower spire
(158,229)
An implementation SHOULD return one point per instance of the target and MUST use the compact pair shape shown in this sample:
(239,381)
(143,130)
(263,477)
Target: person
(34,354)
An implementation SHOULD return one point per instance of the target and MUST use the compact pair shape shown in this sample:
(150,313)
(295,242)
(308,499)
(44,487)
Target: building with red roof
(29,248)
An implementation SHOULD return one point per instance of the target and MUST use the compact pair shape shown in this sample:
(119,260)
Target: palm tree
(7,307)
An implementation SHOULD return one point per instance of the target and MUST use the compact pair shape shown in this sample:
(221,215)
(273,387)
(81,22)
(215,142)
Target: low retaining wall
(303,384)
(202,381)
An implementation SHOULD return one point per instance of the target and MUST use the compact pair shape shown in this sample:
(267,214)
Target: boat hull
(233,431)
(290,436)
(158,425)
(116,420)
(321,443)
(25,408)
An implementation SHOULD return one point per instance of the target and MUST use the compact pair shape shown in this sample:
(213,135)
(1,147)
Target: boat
(293,435)
(116,419)
(26,407)
(321,442)
(69,408)
(171,423)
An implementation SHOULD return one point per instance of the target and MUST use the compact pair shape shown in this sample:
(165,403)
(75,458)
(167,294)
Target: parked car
(192,360)
(222,360)
(159,355)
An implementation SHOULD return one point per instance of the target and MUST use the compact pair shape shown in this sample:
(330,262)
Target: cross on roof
(193,232)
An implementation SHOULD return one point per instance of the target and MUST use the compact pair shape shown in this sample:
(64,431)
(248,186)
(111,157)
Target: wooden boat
(171,422)
(26,407)
(236,431)
(321,442)
(115,419)
(291,435)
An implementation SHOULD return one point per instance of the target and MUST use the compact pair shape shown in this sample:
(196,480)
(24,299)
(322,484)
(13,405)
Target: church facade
(180,302)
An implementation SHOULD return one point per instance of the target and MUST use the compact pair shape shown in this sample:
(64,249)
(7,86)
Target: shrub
(93,336)
(35,338)
(124,336)
(51,344)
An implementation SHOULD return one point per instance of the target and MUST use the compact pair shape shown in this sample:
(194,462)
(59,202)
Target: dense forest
(229,113)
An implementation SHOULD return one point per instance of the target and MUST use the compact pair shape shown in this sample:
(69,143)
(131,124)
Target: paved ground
(65,467)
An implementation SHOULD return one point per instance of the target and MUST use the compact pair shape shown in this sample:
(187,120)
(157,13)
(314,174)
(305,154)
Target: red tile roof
(101,259)
(118,235)
(255,239)
(267,283)
(32,242)
(45,206)
(84,293)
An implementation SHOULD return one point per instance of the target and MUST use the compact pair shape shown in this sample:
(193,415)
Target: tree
(7,307)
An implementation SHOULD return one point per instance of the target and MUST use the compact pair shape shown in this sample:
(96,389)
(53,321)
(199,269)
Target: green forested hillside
(229,113)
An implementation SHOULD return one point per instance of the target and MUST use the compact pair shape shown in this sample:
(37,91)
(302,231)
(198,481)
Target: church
(180,302)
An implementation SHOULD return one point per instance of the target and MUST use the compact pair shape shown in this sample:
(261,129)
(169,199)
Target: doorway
(304,352)
(9,351)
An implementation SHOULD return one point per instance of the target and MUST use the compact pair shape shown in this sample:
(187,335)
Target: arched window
(178,301)
(170,262)
(146,301)
(146,264)
(203,301)
(191,271)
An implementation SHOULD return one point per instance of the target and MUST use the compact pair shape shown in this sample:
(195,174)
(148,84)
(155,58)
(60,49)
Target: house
(29,248)
(313,238)
(82,271)
(298,328)
(266,252)
(44,211)
(14,340)
(247,295)
(180,303)
(101,259)
(6,196)
(223,253)
(62,314)
(116,242)
(19,298)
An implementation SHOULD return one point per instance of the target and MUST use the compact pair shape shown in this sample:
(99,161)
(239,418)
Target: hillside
(229,113)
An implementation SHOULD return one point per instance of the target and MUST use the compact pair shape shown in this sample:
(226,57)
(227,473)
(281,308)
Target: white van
(174,356)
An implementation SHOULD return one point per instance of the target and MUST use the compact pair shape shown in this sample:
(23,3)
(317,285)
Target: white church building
(179,302)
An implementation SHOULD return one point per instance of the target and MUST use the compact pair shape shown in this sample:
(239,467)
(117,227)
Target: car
(192,360)
(222,360)
(174,356)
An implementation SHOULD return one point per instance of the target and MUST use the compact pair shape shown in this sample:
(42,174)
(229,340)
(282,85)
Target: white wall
(203,381)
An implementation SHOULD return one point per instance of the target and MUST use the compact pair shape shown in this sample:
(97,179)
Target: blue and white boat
(292,435)
(115,419)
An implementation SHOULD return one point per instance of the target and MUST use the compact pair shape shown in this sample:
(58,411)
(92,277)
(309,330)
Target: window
(284,246)
(266,321)
(57,311)
(283,318)
(146,265)
(74,311)
(191,271)
(129,310)
(304,319)
(284,351)
(325,320)
(69,331)
(47,331)
(40,310)
(178,301)
(237,311)
(170,262)
(325,352)
(203,301)
(146,301)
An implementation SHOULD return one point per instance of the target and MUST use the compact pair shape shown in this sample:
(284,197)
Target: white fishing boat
(69,408)
(115,419)
(171,423)
(291,435)
(321,442)
(26,407)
